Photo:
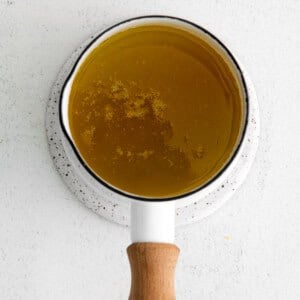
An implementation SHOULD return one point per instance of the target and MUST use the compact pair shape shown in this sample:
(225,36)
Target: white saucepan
(152,254)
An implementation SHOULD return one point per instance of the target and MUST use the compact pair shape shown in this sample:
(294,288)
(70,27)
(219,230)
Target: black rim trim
(95,176)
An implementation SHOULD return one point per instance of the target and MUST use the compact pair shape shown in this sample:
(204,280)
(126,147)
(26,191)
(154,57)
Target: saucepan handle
(152,255)
(152,270)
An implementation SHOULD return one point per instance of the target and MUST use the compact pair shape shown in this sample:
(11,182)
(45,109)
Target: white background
(52,247)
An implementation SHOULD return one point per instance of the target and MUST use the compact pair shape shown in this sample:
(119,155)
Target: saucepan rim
(124,193)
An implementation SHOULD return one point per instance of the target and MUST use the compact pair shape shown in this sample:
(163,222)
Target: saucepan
(152,254)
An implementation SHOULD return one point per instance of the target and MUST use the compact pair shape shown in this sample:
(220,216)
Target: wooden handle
(152,271)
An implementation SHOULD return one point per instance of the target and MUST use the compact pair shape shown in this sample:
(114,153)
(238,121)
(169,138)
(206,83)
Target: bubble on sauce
(158,107)
(108,112)
(198,152)
(135,108)
(88,135)
(119,151)
(118,90)
(145,154)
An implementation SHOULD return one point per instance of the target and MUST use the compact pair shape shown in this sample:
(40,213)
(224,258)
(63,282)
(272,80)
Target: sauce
(155,111)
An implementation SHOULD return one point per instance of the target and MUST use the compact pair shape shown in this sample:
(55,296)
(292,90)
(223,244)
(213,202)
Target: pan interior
(156,111)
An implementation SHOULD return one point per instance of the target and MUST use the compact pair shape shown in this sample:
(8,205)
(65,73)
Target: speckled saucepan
(152,254)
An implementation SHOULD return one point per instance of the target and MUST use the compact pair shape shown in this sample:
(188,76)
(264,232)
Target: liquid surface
(155,111)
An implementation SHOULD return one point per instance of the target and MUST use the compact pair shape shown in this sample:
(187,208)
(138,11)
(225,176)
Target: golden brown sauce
(155,111)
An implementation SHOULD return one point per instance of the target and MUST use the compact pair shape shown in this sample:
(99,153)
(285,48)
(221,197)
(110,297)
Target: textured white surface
(52,247)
